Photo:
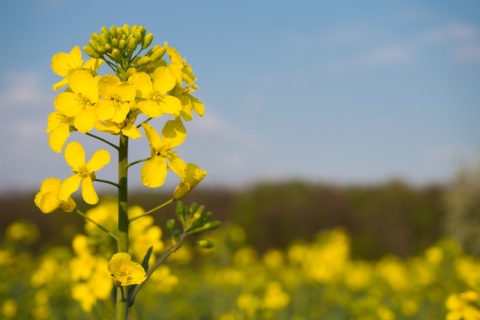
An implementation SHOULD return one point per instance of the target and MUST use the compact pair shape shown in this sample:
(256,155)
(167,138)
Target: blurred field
(292,250)
(389,218)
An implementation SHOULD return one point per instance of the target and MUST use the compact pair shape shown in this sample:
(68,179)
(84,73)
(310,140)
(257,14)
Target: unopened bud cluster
(122,45)
(194,218)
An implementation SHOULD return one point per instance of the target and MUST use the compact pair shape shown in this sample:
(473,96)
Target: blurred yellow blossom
(463,306)
(275,298)
(9,309)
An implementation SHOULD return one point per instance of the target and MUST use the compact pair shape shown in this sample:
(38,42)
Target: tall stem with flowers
(146,83)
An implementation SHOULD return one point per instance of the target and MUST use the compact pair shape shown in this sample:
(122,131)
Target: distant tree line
(393,217)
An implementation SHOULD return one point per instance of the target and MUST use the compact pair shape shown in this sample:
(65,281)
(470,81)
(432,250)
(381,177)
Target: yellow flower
(124,271)
(63,64)
(117,96)
(193,176)
(154,171)
(48,200)
(83,172)
(59,128)
(80,100)
(127,127)
(152,92)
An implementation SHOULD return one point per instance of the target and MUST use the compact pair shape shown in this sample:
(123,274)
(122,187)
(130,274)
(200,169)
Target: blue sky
(335,91)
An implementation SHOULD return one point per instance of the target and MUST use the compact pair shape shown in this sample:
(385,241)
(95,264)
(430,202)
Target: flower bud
(93,43)
(147,40)
(100,49)
(116,54)
(122,44)
(91,52)
(132,44)
(126,29)
(205,244)
(97,37)
(130,71)
(170,224)
(157,53)
(143,61)
(113,31)
(138,36)
(114,42)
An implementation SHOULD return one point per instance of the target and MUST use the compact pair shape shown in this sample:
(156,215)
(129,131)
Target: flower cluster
(142,87)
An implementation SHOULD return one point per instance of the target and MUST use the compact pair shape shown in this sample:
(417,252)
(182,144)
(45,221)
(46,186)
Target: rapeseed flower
(116,98)
(124,271)
(154,171)
(80,100)
(126,127)
(63,64)
(152,92)
(84,173)
(48,199)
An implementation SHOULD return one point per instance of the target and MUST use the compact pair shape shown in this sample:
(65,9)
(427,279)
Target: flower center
(83,172)
(156,96)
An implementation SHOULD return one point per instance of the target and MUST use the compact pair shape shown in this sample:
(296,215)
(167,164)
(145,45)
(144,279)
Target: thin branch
(137,161)
(152,210)
(97,224)
(144,121)
(103,140)
(108,182)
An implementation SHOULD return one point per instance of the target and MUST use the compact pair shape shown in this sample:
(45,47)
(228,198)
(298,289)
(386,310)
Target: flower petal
(154,172)
(88,191)
(85,120)
(163,80)
(170,105)
(82,82)
(174,133)
(152,136)
(151,108)
(177,165)
(99,159)
(57,138)
(68,104)
(75,155)
(69,186)
(131,131)
(143,84)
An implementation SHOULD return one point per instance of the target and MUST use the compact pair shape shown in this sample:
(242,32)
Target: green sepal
(147,258)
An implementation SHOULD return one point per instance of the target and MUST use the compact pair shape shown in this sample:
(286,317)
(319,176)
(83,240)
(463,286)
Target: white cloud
(23,90)
(455,31)
(467,53)
(393,54)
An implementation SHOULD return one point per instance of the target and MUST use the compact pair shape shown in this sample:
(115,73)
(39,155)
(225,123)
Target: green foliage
(462,221)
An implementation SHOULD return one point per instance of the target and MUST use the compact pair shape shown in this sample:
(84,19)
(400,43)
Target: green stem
(121,304)
(97,224)
(101,139)
(108,182)
(152,210)
(145,121)
(157,263)
(138,161)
